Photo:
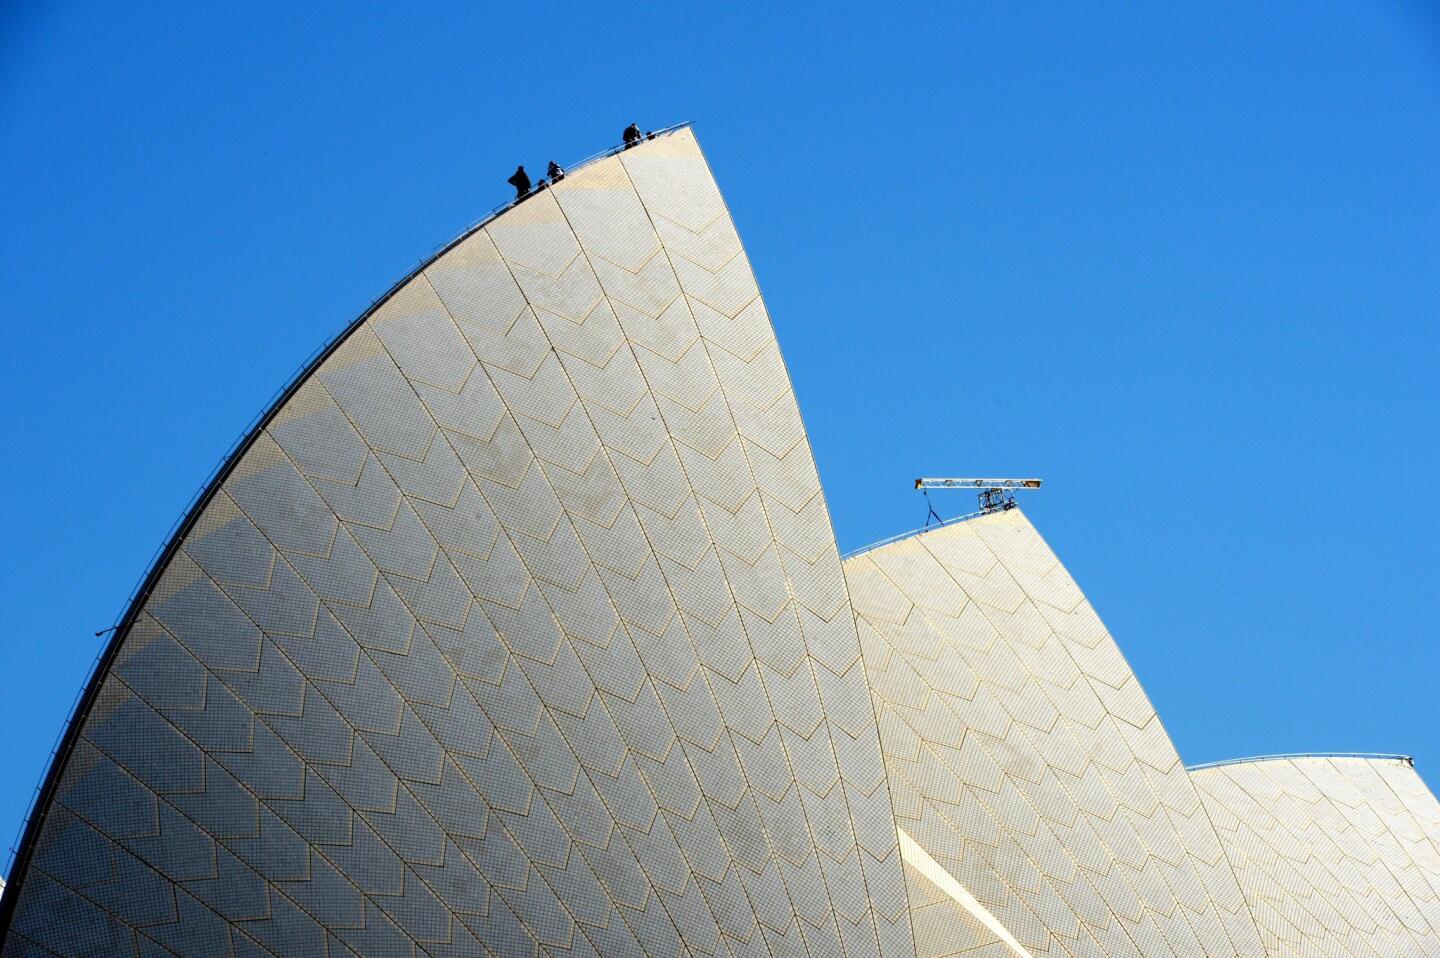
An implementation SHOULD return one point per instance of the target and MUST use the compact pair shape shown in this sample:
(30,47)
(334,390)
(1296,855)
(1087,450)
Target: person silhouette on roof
(555,171)
(632,135)
(520,180)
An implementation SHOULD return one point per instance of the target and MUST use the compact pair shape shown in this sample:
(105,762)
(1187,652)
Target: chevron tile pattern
(1025,759)
(1336,856)
(520,631)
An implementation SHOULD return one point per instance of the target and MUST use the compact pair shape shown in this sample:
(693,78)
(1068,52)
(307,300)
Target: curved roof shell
(1337,856)
(518,628)
(1026,760)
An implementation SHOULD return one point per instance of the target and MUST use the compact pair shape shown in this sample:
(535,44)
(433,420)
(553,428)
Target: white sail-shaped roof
(1337,855)
(518,629)
(1027,763)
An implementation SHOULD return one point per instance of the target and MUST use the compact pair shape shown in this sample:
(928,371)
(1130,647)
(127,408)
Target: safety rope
(930,506)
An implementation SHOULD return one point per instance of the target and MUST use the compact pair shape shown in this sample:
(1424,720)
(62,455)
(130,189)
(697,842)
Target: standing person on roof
(521,181)
(555,171)
(632,135)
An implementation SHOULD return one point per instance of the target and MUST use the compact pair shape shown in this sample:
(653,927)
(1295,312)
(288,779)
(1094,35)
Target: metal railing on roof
(516,201)
(913,532)
(201,497)
(1286,756)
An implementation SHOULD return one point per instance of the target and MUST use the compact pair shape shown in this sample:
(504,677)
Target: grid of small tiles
(521,631)
(1025,758)
(1337,856)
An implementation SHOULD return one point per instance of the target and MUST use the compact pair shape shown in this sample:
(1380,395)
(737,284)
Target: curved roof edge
(34,816)
(913,532)
(1288,756)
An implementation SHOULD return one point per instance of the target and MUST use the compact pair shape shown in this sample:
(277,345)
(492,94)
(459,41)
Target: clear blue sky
(1180,260)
